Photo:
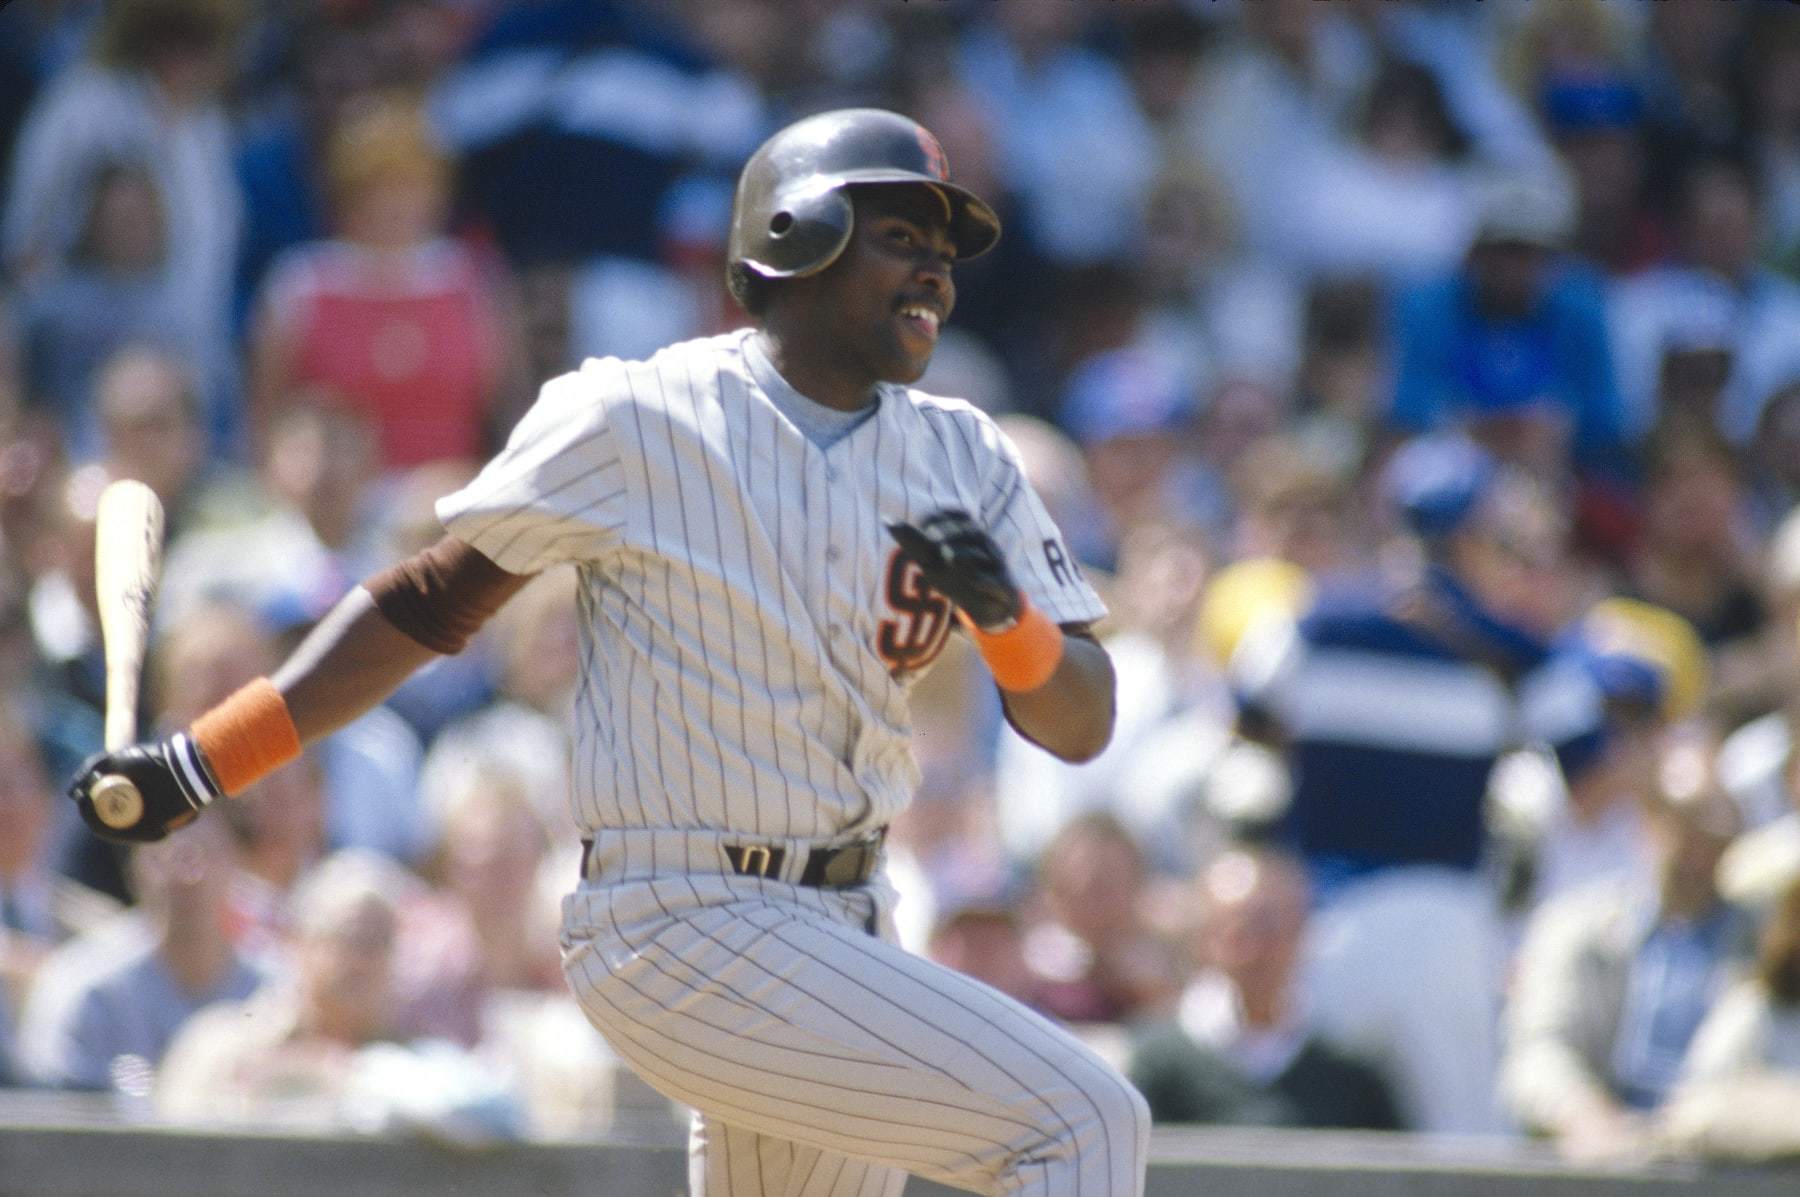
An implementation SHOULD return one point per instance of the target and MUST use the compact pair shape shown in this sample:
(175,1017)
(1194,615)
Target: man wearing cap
(1392,702)
(1513,344)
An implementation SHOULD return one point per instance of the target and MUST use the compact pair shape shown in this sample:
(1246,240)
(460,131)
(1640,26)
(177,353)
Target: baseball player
(774,537)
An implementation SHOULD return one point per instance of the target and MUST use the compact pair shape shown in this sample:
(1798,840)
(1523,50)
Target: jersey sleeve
(556,493)
(1036,553)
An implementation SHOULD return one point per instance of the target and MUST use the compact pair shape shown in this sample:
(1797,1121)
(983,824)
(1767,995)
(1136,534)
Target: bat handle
(116,800)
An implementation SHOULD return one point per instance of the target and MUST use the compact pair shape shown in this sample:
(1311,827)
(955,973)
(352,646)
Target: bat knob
(117,801)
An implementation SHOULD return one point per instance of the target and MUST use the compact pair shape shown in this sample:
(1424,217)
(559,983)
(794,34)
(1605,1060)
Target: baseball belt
(825,868)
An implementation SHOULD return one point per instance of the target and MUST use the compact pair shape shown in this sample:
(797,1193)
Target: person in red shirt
(392,316)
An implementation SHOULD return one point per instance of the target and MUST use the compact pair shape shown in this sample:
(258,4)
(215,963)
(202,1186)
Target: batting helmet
(791,217)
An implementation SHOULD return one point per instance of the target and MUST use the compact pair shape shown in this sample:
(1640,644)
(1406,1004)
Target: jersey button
(831,473)
(831,553)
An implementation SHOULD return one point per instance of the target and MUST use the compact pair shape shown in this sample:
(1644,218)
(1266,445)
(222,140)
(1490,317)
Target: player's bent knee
(1099,1145)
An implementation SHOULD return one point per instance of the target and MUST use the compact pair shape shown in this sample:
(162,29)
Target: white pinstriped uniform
(748,642)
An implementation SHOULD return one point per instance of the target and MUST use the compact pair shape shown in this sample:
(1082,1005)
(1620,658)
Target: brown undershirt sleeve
(441,596)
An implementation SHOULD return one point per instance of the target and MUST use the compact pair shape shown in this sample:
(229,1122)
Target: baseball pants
(825,1061)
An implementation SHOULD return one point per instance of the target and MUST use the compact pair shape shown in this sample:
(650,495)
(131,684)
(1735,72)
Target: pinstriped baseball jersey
(750,631)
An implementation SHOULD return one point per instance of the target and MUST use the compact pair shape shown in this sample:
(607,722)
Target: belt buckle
(755,860)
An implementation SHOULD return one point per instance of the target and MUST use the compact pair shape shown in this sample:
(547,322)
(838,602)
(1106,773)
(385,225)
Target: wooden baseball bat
(128,543)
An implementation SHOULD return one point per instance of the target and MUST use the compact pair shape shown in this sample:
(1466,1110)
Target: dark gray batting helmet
(791,217)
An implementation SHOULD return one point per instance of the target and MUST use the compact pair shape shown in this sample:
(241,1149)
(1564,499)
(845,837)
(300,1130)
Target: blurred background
(1419,381)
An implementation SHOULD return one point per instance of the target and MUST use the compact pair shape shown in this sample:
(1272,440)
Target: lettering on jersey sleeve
(914,637)
(1064,569)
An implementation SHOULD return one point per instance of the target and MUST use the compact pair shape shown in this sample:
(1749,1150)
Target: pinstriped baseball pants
(825,1061)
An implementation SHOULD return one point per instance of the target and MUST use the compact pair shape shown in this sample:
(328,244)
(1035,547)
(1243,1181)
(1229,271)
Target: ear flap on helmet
(808,227)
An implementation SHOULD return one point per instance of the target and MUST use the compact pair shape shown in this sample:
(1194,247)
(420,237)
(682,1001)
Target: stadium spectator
(1741,1078)
(1242,1048)
(107,1004)
(291,562)
(1719,218)
(1688,58)
(1292,507)
(1094,955)
(1398,202)
(1650,668)
(392,317)
(575,161)
(1344,378)
(1136,418)
(1219,311)
(1391,706)
(286,1054)
(151,429)
(1273,94)
(1695,360)
(1596,123)
(1613,981)
(488,931)
(1696,552)
(1582,39)
(39,908)
(336,61)
(1514,344)
(1163,44)
(986,941)
(1073,143)
(153,93)
(112,292)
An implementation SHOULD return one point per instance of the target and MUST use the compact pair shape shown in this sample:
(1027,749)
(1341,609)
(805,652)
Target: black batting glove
(172,777)
(962,562)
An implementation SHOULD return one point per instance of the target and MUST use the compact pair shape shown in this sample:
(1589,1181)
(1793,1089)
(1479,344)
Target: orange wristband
(1023,656)
(247,736)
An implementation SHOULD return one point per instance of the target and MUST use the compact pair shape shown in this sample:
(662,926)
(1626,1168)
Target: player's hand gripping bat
(133,792)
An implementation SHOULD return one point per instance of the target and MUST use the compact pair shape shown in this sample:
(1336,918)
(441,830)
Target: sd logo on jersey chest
(914,636)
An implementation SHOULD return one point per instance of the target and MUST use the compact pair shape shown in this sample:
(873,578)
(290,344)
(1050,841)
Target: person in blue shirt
(1392,700)
(1514,343)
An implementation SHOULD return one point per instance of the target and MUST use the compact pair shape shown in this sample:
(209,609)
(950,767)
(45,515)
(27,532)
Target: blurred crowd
(1419,380)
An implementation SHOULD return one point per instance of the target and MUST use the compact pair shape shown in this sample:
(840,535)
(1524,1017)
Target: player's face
(885,299)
